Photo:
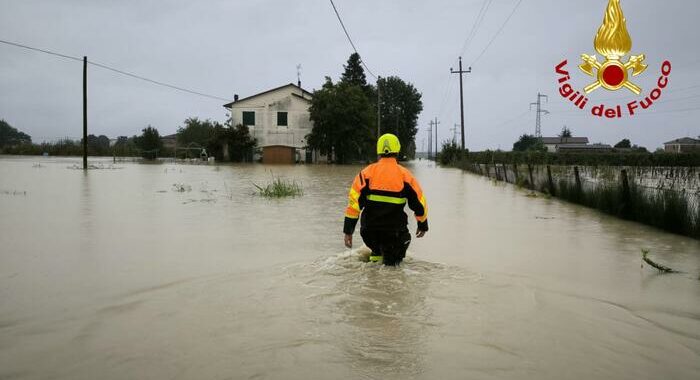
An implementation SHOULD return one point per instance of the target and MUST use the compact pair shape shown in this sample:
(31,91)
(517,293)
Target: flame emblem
(613,42)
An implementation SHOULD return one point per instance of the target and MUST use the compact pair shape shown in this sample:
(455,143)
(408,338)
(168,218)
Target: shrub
(280,188)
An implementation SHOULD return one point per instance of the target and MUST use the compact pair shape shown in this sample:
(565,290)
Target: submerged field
(185,271)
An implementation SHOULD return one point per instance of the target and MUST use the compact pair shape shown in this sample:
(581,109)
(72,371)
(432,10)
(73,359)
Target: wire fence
(664,197)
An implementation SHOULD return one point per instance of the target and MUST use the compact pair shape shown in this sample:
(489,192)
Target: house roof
(585,146)
(565,140)
(228,105)
(684,140)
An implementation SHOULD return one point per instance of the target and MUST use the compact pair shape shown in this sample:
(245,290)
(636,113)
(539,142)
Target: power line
(520,116)
(42,50)
(477,23)
(115,70)
(157,82)
(497,33)
(350,40)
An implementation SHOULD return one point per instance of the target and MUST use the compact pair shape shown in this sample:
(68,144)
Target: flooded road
(179,271)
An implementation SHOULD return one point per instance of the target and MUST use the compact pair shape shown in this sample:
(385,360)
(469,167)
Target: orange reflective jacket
(379,193)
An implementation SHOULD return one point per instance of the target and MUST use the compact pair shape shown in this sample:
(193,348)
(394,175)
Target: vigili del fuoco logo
(613,72)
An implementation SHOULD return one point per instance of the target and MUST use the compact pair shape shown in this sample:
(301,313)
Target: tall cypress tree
(354,74)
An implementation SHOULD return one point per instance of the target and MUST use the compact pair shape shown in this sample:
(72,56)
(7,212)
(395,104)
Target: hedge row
(582,159)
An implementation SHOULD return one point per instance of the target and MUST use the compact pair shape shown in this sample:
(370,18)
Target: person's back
(378,195)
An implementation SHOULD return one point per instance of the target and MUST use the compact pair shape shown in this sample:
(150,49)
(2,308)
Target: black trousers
(391,245)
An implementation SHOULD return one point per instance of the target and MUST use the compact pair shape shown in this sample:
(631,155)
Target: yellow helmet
(388,144)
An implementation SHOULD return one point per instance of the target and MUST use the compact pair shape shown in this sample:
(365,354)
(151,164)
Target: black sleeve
(415,205)
(349,225)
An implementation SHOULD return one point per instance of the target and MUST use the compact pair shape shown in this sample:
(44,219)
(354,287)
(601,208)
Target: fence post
(532,181)
(625,193)
(578,179)
(515,171)
(505,173)
(549,181)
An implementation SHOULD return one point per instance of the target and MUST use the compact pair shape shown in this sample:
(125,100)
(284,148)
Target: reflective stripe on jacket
(379,193)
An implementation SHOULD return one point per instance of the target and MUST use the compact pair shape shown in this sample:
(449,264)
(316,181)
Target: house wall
(266,106)
(682,148)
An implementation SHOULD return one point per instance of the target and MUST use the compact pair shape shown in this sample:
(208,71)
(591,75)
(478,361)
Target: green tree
(529,143)
(345,114)
(149,142)
(624,143)
(196,131)
(125,146)
(10,136)
(354,73)
(400,105)
(240,143)
(342,122)
(98,145)
(565,132)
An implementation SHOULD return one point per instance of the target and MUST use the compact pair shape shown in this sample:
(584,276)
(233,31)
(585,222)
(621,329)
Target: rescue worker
(379,193)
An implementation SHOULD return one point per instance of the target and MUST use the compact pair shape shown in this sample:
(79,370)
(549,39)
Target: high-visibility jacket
(379,193)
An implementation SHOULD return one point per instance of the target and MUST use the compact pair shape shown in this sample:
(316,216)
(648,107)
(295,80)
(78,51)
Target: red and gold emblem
(613,42)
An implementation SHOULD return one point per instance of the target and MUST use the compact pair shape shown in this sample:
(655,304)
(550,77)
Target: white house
(683,145)
(554,143)
(279,120)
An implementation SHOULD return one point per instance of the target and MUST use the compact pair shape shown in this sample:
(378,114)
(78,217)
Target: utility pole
(461,93)
(454,133)
(430,141)
(85,144)
(379,107)
(434,123)
(436,137)
(540,111)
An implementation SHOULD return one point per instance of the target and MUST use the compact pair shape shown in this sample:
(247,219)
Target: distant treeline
(219,140)
(97,146)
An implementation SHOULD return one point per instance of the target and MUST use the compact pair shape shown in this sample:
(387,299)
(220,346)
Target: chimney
(235,97)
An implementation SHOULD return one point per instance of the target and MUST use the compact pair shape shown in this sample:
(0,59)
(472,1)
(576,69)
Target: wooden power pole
(436,137)
(379,107)
(461,93)
(85,143)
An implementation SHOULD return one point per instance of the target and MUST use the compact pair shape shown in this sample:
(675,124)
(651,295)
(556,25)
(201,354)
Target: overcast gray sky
(244,47)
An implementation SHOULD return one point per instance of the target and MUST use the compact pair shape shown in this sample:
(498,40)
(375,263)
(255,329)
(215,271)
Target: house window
(248,117)
(282,119)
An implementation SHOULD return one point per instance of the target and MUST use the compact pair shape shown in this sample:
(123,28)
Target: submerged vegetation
(280,188)
(661,268)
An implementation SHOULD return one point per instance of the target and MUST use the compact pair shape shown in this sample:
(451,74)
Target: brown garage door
(278,154)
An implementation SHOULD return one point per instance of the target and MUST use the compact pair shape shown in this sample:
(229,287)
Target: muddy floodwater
(173,271)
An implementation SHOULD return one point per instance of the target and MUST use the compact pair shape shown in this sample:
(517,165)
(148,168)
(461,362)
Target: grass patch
(280,188)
